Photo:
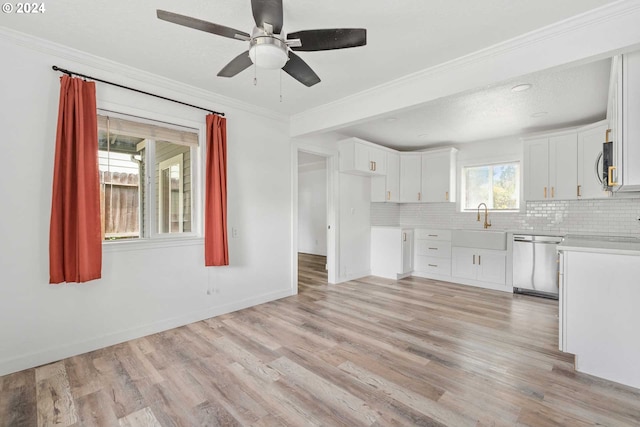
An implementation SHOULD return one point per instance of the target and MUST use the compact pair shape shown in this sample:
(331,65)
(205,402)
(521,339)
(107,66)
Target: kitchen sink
(480,239)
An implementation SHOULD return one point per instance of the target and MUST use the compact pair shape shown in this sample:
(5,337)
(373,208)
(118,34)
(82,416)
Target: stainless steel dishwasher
(535,265)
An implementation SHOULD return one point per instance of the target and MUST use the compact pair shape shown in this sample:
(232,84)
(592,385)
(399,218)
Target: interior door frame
(331,158)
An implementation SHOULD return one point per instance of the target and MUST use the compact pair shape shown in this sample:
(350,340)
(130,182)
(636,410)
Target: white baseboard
(354,276)
(423,275)
(484,285)
(462,281)
(53,354)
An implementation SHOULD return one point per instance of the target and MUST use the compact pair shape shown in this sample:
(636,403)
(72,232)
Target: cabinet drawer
(433,265)
(424,233)
(433,248)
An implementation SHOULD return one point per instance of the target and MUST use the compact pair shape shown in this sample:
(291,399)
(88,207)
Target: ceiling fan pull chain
(255,71)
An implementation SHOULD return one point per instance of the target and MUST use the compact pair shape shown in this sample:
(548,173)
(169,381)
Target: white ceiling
(557,99)
(403,38)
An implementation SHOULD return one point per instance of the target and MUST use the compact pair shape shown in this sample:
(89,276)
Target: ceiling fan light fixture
(268,52)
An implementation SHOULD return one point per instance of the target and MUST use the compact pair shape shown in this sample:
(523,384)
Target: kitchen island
(600,306)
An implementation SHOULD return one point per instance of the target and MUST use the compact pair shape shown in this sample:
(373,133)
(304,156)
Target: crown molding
(215,101)
(620,17)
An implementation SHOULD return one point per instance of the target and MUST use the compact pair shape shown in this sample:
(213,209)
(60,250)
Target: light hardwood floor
(371,352)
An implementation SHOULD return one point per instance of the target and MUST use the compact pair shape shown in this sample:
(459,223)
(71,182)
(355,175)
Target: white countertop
(604,245)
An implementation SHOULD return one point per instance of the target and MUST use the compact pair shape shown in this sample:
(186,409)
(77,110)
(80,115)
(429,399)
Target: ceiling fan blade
(268,11)
(299,70)
(336,38)
(201,25)
(237,64)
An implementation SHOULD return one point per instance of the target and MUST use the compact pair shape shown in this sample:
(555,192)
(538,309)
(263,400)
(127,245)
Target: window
(170,195)
(497,185)
(146,179)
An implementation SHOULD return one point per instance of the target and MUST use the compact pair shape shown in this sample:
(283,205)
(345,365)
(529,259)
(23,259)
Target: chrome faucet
(487,223)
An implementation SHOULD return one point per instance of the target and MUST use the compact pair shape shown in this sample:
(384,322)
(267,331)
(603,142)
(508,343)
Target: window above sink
(497,185)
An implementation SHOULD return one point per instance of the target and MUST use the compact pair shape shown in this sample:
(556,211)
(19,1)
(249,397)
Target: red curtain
(75,239)
(216,251)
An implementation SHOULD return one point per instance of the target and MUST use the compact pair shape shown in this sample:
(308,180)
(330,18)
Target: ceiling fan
(268,45)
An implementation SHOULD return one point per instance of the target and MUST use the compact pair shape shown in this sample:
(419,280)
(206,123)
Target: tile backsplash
(604,216)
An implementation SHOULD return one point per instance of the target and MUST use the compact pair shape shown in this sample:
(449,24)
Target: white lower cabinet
(391,252)
(599,314)
(479,267)
(432,254)
(399,252)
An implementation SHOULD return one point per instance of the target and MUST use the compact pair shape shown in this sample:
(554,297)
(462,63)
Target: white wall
(355,226)
(144,288)
(312,208)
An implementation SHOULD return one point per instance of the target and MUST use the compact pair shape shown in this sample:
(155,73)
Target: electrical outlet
(234,232)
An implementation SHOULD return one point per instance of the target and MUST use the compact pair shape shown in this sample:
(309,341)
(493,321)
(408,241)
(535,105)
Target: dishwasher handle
(545,240)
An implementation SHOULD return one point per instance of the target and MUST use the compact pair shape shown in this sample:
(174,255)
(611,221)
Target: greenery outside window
(497,185)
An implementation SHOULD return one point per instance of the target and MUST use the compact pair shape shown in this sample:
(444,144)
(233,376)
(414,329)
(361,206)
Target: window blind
(145,130)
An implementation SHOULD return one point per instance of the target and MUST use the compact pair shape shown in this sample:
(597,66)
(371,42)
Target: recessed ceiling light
(521,88)
(539,114)
(391,119)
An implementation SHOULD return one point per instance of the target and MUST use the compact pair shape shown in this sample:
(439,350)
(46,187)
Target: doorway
(312,220)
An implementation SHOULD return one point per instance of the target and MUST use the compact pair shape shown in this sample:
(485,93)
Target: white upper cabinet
(551,167)
(623,113)
(410,177)
(536,169)
(614,118)
(563,166)
(387,188)
(438,175)
(361,157)
(590,161)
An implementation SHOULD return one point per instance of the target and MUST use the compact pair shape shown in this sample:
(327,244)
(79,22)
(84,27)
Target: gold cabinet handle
(610,181)
(446,196)
(404,237)
(479,259)
(474,260)
(578,191)
(388,195)
(370,165)
(545,192)
(375,166)
(553,192)
(432,265)
(419,196)
(606,137)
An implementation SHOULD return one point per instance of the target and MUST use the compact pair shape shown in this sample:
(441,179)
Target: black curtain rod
(70,73)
